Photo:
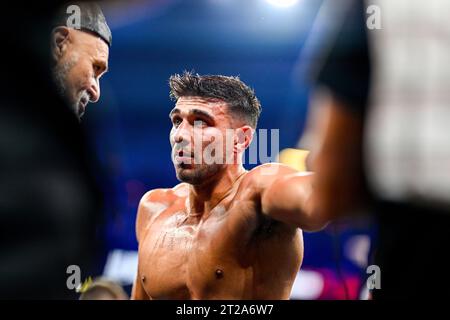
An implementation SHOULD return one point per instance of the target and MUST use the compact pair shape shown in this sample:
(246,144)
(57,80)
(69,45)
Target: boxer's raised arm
(287,196)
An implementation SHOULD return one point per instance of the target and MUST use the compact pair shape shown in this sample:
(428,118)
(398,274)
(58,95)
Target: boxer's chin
(196,175)
(189,175)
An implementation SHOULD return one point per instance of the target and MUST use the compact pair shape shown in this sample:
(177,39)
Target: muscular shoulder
(154,202)
(263,175)
(259,179)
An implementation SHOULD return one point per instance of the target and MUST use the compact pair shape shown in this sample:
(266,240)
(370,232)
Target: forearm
(290,199)
(337,160)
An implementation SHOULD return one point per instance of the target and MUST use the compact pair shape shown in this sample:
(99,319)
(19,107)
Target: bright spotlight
(282,3)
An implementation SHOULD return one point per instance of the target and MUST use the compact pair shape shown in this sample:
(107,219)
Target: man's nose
(182,133)
(94,90)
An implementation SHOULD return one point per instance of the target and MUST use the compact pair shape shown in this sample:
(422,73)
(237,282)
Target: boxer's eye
(201,122)
(176,121)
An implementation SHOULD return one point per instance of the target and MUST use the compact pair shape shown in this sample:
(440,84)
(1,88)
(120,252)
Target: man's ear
(243,137)
(60,40)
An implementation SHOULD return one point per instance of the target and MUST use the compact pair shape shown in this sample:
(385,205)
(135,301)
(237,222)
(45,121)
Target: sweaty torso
(233,252)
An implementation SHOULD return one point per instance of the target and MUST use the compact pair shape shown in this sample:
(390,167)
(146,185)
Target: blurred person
(104,289)
(223,232)
(49,201)
(379,135)
(80,54)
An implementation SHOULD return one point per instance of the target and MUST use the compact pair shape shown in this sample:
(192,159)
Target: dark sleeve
(346,69)
(50,204)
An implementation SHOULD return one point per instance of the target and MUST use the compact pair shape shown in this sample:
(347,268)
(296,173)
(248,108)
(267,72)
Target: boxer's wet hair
(240,98)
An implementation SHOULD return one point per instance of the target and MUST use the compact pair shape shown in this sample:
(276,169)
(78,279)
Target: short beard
(198,176)
(60,72)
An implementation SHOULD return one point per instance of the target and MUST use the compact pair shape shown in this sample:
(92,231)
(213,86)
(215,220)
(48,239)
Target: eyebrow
(201,113)
(174,111)
(196,112)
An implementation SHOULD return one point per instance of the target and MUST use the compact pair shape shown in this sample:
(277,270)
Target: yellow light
(295,158)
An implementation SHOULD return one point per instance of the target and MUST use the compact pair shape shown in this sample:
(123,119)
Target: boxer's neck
(203,198)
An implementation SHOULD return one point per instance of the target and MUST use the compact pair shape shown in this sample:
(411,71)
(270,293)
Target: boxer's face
(198,135)
(81,59)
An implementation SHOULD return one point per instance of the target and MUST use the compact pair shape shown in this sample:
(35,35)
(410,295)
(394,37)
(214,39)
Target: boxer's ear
(243,137)
(59,41)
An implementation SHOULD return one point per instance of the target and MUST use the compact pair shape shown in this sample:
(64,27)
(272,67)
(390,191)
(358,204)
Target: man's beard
(60,74)
(198,176)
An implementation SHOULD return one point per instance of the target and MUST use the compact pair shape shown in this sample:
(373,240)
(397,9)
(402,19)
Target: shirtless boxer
(223,232)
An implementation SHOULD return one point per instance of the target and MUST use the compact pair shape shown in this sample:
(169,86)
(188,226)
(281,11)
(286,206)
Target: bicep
(289,200)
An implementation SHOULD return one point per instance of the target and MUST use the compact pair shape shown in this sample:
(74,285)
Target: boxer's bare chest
(186,256)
